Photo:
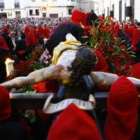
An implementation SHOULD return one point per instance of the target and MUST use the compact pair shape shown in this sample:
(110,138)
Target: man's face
(13,35)
(135,21)
(129,23)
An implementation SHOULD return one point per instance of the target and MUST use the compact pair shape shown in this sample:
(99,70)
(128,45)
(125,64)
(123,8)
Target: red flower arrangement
(104,38)
(23,68)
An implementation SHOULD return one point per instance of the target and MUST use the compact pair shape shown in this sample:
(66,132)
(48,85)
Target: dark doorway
(54,15)
(69,11)
(43,14)
(120,10)
(113,9)
(132,3)
(3,15)
(125,11)
(18,14)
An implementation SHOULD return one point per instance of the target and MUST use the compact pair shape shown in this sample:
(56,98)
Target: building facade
(36,8)
(120,9)
(88,5)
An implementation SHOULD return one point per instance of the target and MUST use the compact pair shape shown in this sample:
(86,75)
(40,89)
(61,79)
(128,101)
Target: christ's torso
(67,58)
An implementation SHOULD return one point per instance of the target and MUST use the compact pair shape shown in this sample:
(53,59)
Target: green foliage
(30,116)
(26,89)
(104,37)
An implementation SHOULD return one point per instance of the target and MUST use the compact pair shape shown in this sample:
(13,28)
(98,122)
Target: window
(70,11)
(43,8)
(37,12)
(9,13)
(17,4)
(1,4)
(30,12)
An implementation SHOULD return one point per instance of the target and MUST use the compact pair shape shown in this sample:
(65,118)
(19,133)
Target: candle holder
(9,66)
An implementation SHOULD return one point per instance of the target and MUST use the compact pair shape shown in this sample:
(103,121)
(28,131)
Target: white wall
(61,11)
(116,9)
(137,10)
(62,3)
(9,5)
(104,4)
(88,5)
(101,7)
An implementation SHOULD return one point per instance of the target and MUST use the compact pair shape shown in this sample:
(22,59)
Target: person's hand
(12,90)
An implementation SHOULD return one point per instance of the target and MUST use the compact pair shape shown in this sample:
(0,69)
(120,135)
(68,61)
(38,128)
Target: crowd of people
(71,60)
